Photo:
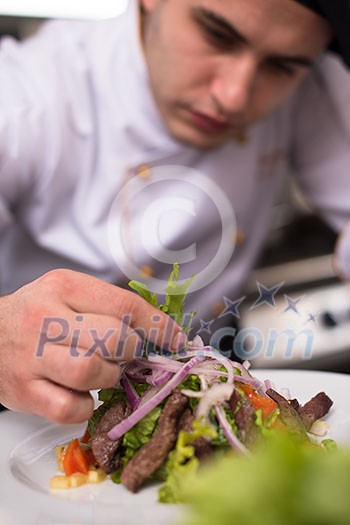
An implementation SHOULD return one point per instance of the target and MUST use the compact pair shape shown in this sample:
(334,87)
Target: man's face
(217,66)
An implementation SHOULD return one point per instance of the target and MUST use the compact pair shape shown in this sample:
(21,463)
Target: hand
(64,334)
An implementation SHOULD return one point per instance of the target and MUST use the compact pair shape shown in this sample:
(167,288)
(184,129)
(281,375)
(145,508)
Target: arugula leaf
(143,290)
(175,295)
(174,298)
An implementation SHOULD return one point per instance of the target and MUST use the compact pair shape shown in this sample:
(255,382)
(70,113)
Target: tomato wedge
(265,404)
(75,459)
(86,436)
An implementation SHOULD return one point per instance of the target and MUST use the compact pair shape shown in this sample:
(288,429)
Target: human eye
(215,32)
(280,67)
(216,36)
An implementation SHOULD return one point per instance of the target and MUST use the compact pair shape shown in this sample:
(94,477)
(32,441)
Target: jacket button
(217,308)
(146,271)
(143,171)
(239,238)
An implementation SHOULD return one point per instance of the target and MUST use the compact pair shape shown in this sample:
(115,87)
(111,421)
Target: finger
(90,334)
(56,403)
(81,372)
(84,293)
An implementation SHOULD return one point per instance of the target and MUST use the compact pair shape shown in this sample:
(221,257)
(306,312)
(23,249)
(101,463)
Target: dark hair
(337,12)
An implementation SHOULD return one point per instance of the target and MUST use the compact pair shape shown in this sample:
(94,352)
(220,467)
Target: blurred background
(298,249)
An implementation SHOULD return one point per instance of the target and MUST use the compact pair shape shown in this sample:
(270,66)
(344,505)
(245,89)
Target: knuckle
(58,280)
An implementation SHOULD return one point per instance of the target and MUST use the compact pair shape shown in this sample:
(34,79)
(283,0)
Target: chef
(159,137)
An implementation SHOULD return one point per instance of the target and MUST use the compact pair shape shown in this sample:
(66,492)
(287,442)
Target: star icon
(292,304)
(267,295)
(205,326)
(311,318)
(232,307)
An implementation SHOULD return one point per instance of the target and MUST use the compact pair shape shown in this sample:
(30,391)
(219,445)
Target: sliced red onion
(159,378)
(253,382)
(242,369)
(140,378)
(268,384)
(207,372)
(204,384)
(120,429)
(229,434)
(170,367)
(130,392)
(246,364)
(160,359)
(207,351)
(286,393)
(152,391)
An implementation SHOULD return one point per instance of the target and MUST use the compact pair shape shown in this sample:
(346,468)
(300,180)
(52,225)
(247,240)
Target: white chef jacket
(78,122)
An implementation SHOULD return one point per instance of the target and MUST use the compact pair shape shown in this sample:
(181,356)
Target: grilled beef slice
(289,415)
(201,446)
(294,403)
(244,415)
(105,450)
(153,454)
(314,409)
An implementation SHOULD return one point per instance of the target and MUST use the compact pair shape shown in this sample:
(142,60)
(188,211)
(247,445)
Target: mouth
(209,124)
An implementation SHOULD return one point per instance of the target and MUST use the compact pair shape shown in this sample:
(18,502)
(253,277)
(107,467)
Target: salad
(171,414)
(286,483)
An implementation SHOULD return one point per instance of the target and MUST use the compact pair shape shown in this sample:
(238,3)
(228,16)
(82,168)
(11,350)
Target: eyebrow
(206,14)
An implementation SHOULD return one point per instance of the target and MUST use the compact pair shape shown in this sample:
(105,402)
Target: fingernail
(179,342)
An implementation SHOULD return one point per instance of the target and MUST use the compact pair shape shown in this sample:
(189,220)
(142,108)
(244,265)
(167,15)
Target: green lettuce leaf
(142,432)
(220,440)
(266,427)
(136,437)
(284,482)
(182,462)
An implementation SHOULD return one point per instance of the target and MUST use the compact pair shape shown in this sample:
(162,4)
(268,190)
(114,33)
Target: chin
(195,138)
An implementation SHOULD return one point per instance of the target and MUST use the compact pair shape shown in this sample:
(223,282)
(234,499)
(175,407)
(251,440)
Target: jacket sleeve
(42,85)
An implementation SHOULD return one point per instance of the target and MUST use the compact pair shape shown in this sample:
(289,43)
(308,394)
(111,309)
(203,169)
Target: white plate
(27,462)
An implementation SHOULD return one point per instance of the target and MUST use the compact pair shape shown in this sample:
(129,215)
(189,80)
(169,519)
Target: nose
(233,83)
